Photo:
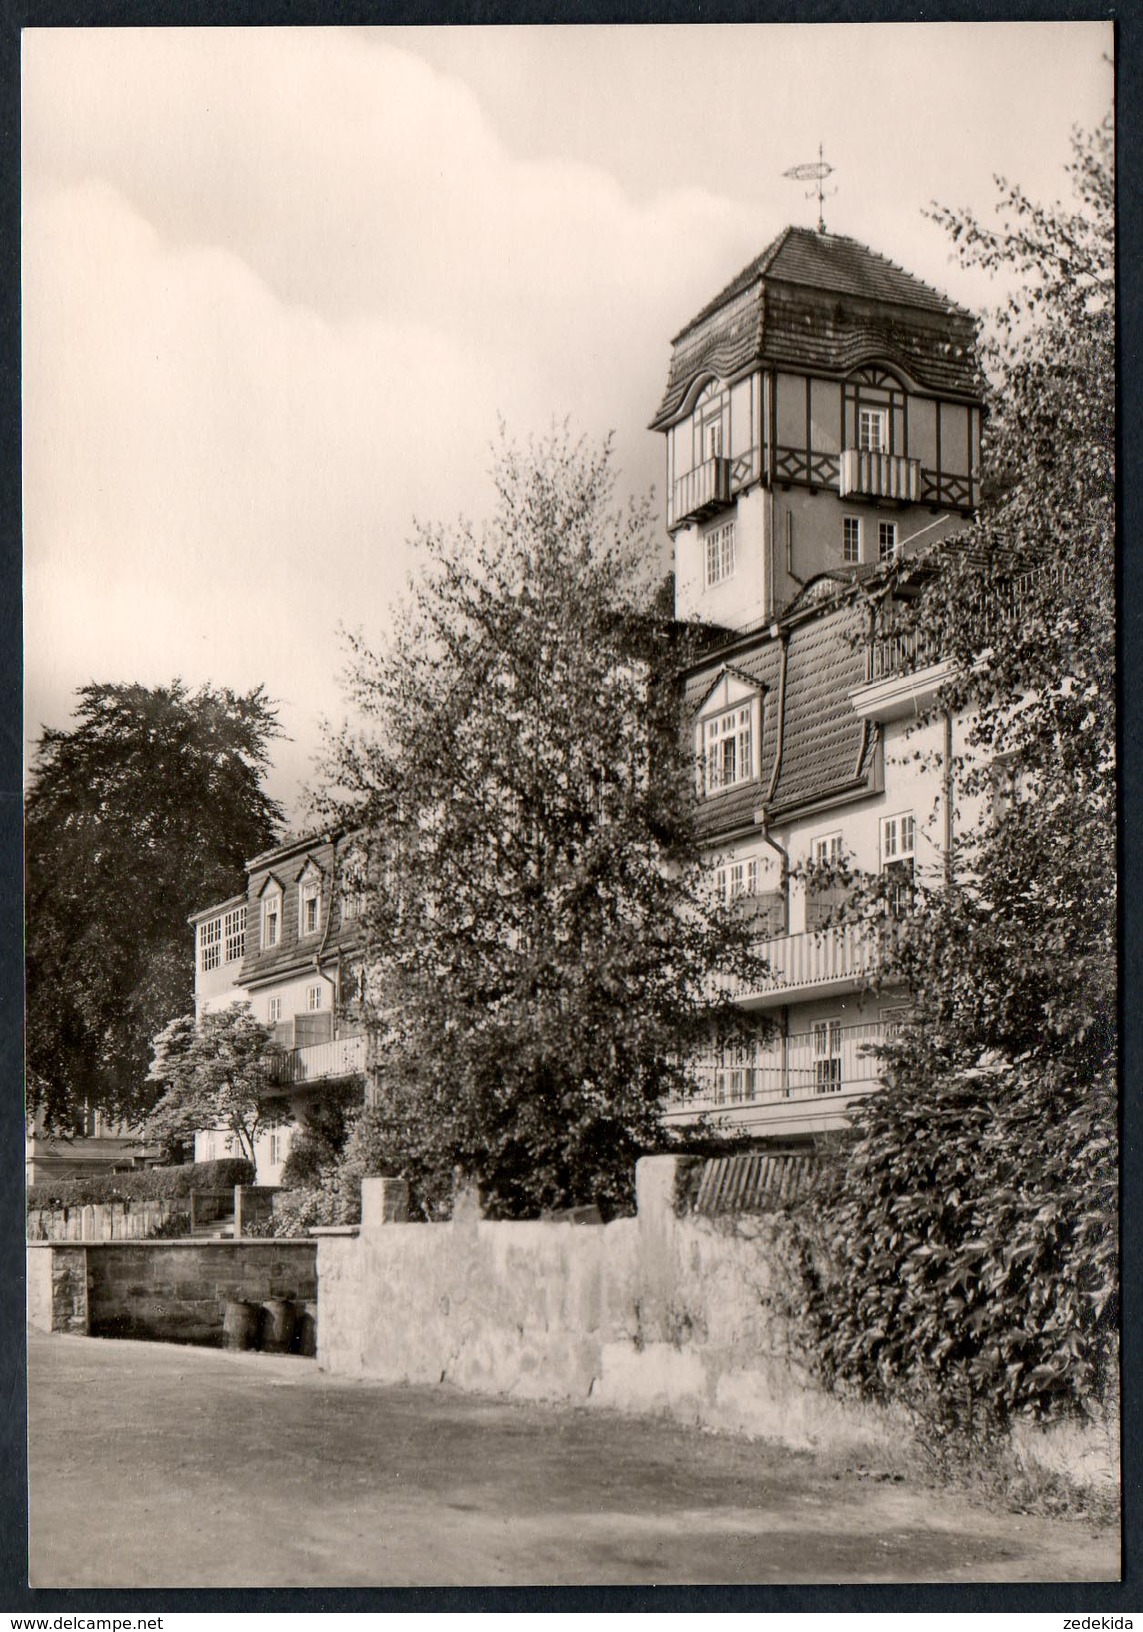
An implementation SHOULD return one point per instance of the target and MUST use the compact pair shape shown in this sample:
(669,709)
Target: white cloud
(278,286)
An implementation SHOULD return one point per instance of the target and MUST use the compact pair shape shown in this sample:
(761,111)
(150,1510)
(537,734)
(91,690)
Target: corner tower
(821,414)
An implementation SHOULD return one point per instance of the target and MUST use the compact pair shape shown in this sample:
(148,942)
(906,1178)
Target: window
(277,1149)
(886,540)
(210,945)
(898,837)
(314,997)
(271,919)
(1002,775)
(871,430)
(712,439)
(827,850)
(234,934)
(851,539)
(737,879)
(719,547)
(309,906)
(898,844)
(827,1056)
(274,1011)
(728,749)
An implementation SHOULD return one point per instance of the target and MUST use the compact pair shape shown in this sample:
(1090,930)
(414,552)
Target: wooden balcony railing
(843,955)
(700,491)
(343,1057)
(878,476)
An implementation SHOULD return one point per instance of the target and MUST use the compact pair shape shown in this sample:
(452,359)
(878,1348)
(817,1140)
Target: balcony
(296,1067)
(814,1069)
(812,964)
(700,492)
(878,476)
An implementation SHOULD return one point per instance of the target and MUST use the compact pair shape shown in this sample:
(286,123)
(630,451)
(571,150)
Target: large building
(287,947)
(822,420)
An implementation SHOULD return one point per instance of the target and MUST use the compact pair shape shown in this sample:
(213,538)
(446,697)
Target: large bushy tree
(972,1222)
(540,933)
(141,812)
(214,1074)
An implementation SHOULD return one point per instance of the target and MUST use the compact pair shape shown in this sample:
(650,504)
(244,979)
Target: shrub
(148,1184)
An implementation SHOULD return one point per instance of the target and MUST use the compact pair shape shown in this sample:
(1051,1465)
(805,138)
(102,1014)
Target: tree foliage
(971,1231)
(539,928)
(214,1074)
(142,811)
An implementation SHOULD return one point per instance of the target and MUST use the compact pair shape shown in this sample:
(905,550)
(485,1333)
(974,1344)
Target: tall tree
(139,814)
(974,1220)
(540,929)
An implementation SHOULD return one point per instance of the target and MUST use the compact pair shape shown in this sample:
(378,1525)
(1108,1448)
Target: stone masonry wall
(660,1313)
(173,1291)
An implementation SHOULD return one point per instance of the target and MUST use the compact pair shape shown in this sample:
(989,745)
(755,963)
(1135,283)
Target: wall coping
(330,1229)
(226,1244)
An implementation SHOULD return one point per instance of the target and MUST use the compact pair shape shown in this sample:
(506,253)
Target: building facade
(822,423)
(289,946)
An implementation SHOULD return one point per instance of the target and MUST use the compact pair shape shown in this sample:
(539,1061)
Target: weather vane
(814,172)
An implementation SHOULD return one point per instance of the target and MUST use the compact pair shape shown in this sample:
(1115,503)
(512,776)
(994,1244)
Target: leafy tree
(145,809)
(539,927)
(214,1074)
(972,1224)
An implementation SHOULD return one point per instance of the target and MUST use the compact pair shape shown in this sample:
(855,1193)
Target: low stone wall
(664,1314)
(105,1221)
(173,1291)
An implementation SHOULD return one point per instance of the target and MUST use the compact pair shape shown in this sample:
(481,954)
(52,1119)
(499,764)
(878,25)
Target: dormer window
(728,732)
(873,430)
(729,749)
(309,901)
(271,913)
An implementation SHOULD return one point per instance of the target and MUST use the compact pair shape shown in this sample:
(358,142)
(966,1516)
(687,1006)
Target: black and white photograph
(570,805)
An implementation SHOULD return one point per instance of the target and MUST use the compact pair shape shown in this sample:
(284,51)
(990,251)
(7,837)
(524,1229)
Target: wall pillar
(384,1201)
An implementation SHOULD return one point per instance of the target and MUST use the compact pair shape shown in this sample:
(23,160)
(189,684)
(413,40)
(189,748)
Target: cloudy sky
(279,285)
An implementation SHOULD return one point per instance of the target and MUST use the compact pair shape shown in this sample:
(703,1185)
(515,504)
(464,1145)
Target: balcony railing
(343,1057)
(878,476)
(700,491)
(827,1060)
(815,960)
(899,651)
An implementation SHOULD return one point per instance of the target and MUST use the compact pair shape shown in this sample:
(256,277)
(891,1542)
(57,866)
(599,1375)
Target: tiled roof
(826,260)
(782,309)
(826,748)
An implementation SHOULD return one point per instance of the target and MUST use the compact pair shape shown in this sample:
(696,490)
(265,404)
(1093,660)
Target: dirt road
(160,1466)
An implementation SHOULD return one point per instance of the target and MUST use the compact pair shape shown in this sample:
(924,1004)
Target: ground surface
(152,1465)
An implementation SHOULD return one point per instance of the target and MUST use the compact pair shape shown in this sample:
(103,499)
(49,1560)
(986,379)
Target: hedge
(147,1184)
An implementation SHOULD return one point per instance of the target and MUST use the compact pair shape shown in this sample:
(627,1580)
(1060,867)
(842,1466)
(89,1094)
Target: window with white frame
(314,997)
(210,945)
(712,439)
(898,850)
(719,548)
(277,1152)
(728,748)
(872,430)
(851,539)
(886,540)
(309,906)
(271,919)
(234,934)
(826,850)
(827,1056)
(735,880)
(274,1011)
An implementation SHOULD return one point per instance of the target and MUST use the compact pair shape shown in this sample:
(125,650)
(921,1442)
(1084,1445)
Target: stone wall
(131,1220)
(664,1314)
(173,1291)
